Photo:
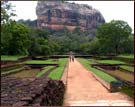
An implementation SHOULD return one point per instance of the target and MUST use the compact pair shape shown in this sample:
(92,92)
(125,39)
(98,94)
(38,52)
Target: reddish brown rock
(56,15)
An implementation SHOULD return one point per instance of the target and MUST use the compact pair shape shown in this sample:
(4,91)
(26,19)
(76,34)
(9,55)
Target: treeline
(20,39)
(23,38)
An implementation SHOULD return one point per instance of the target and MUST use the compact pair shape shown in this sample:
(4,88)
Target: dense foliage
(14,39)
(115,37)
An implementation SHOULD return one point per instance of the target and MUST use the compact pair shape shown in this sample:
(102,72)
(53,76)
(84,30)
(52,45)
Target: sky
(111,10)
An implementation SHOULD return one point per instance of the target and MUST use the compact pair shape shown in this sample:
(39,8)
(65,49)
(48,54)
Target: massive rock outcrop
(57,15)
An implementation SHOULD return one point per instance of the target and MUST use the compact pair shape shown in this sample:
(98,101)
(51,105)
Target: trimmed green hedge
(110,62)
(41,62)
(129,68)
(57,73)
(41,73)
(10,58)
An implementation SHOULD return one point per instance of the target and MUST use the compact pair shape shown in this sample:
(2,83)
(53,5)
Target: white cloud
(25,9)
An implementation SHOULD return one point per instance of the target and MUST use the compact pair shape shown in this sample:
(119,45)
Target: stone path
(84,90)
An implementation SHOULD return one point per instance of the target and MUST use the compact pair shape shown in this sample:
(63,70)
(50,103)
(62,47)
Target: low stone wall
(31,92)
(5,64)
(109,86)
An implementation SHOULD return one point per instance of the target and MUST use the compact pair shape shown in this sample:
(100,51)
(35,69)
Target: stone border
(65,74)
(108,86)
(104,83)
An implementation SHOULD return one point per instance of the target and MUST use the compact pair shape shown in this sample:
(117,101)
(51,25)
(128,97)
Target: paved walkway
(84,90)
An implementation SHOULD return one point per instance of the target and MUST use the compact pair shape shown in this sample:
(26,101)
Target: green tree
(39,44)
(111,35)
(15,39)
(128,45)
(6,12)
(6,36)
(19,43)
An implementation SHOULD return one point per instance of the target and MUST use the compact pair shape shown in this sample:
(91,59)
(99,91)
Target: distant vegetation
(23,38)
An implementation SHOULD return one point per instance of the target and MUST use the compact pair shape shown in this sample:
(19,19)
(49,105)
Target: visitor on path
(71,56)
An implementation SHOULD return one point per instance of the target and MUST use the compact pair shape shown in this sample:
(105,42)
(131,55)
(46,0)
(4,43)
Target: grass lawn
(127,56)
(110,62)
(41,62)
(10,58)
(57,73)
(129,68)
(42,72)
(128,90)
(99,73)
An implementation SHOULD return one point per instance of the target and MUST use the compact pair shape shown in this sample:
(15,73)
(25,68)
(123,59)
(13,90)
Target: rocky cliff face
(55,15)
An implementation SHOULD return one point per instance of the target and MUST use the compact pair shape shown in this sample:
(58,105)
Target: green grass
(10,58)
(41,73)
(62,61)
(57,73)
(99,73)
(41,62)
(110,62)
(128,90)
(127,56)
(129,68)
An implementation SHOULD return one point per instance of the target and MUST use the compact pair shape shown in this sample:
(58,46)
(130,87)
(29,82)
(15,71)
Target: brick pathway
(84,90)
